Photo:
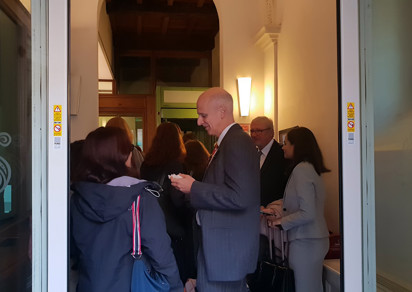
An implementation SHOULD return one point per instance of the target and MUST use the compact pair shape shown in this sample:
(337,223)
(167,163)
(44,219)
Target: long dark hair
(197,158)
(306,148)
(104,154)
(167,146)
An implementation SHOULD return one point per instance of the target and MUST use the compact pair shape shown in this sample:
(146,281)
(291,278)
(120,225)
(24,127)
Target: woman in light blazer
(303,210)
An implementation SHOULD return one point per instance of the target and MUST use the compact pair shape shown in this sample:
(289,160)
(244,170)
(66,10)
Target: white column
(351,147)
(57,131)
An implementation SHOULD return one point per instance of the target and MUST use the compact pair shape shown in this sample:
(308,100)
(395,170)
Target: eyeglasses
(258,131)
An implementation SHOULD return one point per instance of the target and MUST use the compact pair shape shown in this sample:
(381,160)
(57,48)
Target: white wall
(83,46)
(239,21)
(270,86)
(307,80)
(105,33)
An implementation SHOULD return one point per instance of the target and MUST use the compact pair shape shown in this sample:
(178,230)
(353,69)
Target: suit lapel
(232,129)
(268,158)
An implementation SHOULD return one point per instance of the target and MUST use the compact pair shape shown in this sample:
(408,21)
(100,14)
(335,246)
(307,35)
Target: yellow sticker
(57,129)
(351,126)
(57,113)
(351,111)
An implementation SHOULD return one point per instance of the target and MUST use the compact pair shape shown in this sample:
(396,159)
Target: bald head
(215,110)
(261,131)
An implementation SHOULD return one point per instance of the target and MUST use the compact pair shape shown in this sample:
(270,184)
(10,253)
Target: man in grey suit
(227,200)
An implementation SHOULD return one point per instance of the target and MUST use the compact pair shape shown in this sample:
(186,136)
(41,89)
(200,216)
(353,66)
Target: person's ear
(222,112)
(128,162)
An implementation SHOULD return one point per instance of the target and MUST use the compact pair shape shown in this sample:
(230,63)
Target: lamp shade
(244,87)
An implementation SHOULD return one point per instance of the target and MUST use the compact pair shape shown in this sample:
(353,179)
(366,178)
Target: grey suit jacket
(303,204)
(228,207)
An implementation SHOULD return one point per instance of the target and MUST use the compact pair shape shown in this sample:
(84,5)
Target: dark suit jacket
(272,176)
(228,206)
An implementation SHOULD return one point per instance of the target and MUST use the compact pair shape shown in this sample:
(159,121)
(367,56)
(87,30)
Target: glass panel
(105,87)
(15,147)
(391,90)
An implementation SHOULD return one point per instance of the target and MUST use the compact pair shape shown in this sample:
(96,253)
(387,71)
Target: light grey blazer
(303,204)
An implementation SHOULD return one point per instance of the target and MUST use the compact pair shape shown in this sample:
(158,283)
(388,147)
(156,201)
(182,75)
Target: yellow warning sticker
(351,111)
(57,129)
(57,120)
(57,113)
(351,126)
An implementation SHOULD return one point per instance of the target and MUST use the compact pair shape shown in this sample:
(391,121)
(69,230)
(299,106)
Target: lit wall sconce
(244,85)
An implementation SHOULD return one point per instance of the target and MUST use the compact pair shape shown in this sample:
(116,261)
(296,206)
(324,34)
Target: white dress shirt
(265,152)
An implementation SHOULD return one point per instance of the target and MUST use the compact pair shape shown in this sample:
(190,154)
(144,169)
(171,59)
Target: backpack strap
(137,243)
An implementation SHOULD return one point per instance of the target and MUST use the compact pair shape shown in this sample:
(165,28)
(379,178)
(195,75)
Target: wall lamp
(244,85)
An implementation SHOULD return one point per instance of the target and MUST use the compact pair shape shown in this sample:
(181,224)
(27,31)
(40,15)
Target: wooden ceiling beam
(164,42)
(191,25)
(139,24)
(164,54)
(115,7)
(169,2)
(200,3)
(165,24)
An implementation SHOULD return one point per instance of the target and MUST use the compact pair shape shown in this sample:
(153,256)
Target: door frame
(57,81)
(356,162)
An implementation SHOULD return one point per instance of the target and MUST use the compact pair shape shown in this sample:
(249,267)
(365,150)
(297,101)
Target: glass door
(387,60)
(15,147)
(33,145)
(376,116)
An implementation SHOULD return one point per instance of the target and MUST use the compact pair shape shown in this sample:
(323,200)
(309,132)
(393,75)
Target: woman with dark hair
(165,157)
(137,154)
(101,219)
(303,210)
(197,158)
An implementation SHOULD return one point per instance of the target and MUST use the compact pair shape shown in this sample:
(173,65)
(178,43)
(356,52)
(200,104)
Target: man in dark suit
(227,200)
(272,162)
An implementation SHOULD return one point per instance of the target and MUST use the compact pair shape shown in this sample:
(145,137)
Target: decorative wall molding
(269,11)
(273,13)
(267,36)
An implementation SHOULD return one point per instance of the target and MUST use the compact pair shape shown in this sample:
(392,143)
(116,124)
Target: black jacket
(101,233)
(272,175)
(173,202)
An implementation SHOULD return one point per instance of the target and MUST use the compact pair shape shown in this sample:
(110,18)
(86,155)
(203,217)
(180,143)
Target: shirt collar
(266,149)
(222,135)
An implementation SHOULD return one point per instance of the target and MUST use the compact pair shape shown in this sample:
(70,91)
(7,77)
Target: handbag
(272,276)
(144,277)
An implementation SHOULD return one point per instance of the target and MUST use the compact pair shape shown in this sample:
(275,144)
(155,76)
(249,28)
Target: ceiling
(162,25)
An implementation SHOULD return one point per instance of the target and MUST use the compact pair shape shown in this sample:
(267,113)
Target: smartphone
(265,213)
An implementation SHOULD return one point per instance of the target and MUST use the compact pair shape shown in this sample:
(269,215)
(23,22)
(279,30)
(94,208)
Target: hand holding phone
(267,212)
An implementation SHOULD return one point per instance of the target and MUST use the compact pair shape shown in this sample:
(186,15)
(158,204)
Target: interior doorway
(135,124)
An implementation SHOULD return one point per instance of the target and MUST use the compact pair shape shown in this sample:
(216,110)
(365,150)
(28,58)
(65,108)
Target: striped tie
(213,153)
